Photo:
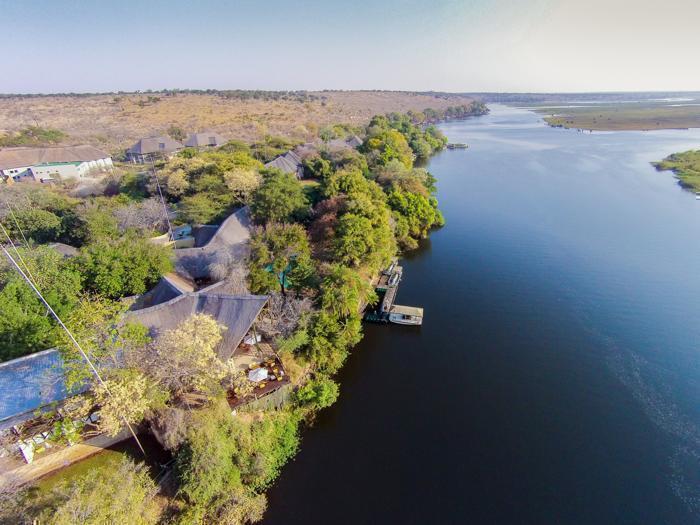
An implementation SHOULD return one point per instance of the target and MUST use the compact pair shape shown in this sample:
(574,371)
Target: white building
(50,163)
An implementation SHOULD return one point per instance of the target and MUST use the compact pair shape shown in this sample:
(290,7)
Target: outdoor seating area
(263,370)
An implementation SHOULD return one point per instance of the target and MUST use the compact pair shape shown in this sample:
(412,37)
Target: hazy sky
(445,45)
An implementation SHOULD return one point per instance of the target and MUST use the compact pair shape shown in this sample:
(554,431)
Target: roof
(228,243)
(406,310)
(236,312)
(65,249)
(290,162)
(153,145)
(24,156)
(354,141)
(206,138)
(28,383)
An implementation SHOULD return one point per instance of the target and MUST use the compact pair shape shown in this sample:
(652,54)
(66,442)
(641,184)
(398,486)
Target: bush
(318,393)
(124,267)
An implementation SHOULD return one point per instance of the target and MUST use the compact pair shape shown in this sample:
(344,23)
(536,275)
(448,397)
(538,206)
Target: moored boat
(409,315)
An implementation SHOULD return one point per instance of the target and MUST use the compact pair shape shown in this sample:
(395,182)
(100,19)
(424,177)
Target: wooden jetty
(386,311)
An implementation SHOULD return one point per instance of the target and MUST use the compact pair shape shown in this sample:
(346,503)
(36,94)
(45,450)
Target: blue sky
(449,45)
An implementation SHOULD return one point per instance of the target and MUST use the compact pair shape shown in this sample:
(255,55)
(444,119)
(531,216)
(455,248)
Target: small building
(152,148)
(205,140)
(45,164)
(290,162)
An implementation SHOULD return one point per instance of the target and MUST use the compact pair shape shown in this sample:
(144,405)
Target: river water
(556,378)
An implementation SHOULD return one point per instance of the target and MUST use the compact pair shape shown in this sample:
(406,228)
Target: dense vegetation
(315,248)
(686,167)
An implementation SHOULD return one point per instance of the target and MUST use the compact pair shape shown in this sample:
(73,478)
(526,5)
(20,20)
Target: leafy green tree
(318,393)
(344,291)
(330,340)
(355,239)
(420,213)
(25,325)
(387,145)
(200,208)
(124,267)
(280,198)
(280,258)
(39,225)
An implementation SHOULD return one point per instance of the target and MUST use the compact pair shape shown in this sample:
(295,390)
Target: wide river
(556,378)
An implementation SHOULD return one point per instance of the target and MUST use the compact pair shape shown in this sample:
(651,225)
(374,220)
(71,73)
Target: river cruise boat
(410,315)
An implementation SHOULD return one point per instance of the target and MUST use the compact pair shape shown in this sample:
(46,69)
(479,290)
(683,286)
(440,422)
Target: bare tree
(282,315)
(146,215)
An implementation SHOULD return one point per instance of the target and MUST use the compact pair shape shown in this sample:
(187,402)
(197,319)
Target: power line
(70,336)
(162,200)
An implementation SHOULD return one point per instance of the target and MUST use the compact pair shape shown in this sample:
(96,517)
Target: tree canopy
(280,198)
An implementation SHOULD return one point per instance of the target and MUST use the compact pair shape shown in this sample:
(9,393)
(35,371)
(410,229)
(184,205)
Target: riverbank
(685,166)
(313,250)
(555,366)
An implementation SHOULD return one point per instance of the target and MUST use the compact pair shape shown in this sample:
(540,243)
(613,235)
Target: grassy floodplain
(639,116)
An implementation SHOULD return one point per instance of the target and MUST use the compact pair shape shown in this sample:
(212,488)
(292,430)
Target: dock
(386,311)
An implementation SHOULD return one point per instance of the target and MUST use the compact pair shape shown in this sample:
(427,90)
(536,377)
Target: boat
(697,196)
(408,315)
(457,145)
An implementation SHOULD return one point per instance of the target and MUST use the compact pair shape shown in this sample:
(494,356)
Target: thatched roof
(23,157)
(199,140)
(154,145)
(235,312)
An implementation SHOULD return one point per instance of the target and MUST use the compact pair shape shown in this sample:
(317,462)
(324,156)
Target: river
(556,378)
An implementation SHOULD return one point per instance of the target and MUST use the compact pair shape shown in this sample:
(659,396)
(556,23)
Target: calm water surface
(557,376)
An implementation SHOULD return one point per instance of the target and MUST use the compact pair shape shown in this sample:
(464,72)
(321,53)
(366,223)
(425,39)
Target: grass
(624,116)
(686,166)
(107,458)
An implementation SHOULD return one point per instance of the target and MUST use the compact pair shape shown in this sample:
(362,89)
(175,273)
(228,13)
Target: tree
(39,225)
(318,393)
(146,216)
(344,291)
(354,239)
(280,198)
(25,325)
(177,133)
(200,208)
(280,258)
(97,325)
(184,359)
(386,145)
(122,493)
(242,182)
(329,340)
(126,396)
(124,267)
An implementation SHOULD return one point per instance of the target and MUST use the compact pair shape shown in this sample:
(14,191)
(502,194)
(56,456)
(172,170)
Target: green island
(315,247)
(685,166)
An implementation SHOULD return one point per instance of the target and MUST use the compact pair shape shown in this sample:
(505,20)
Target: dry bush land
(115,122)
